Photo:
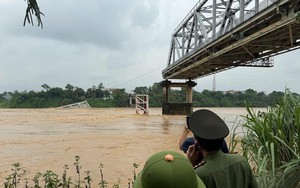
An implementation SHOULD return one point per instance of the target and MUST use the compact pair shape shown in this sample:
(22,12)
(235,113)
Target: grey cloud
(119,43)
(96,22)
(145,14)
(109,24)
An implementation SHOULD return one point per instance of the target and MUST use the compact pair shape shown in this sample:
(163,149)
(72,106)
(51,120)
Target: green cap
(207,125)
(168,169)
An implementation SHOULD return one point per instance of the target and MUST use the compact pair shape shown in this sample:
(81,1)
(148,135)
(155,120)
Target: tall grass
(271,142)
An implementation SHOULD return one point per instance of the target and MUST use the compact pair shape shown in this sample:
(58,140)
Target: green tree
(79,94)
(198,99)
(69,91)
(16,99)
(99,93)
(100,86)
(69,87)
(90,93)
(275,97)
(155,95)
(106,94)
(120,98)
(141,90)
(250,95)
(177,95)
(209,100)
(56,92)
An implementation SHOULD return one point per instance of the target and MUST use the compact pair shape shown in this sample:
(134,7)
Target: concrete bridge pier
(174,108)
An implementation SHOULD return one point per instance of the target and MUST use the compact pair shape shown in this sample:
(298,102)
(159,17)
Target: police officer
(168,169)
(217,168)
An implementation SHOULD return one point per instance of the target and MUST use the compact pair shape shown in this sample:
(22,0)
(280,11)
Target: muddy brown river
(49,139)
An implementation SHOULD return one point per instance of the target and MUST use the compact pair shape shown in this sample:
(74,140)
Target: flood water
(49,139)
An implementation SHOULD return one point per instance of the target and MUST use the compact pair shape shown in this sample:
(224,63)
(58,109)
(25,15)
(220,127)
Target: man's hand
(194,155)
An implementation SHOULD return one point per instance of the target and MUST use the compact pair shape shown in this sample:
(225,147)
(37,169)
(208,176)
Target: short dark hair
(210,144)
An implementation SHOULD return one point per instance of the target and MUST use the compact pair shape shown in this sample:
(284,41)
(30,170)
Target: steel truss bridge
(218,35)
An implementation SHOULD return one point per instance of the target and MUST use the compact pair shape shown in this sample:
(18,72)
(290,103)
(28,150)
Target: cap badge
(169,158)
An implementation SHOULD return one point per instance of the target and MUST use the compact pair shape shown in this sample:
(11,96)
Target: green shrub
(50,179)
(271,142)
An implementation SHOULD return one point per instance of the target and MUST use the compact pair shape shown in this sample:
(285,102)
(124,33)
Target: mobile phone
(188,121)
(197,146)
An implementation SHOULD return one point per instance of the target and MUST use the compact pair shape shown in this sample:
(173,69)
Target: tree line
(99,96)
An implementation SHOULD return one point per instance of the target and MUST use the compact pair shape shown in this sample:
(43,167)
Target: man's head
(168,169)
(208,129)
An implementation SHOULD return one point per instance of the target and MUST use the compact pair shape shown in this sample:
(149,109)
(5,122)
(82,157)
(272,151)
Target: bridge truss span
(218,35)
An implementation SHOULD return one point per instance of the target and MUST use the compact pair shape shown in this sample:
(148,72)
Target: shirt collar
(214,155)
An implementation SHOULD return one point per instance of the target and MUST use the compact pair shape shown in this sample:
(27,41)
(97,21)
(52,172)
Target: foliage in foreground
(271,142)
(50,179)
(33,9)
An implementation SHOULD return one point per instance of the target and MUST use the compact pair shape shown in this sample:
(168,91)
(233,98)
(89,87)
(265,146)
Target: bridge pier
(169,108)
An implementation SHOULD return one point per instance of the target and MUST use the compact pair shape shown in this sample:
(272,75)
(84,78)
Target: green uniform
(226,171)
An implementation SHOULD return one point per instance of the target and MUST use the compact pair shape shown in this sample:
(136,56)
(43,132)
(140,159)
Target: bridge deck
(254,42)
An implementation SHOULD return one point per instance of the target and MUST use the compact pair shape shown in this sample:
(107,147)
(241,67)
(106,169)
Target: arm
(183,137)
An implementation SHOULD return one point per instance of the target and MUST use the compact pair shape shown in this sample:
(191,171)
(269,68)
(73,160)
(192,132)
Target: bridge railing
(249,14)
(188,16)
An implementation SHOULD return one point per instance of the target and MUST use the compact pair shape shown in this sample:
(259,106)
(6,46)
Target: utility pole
(214,83)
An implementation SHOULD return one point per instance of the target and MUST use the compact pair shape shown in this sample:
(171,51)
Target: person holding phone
(186,141)
(217,169)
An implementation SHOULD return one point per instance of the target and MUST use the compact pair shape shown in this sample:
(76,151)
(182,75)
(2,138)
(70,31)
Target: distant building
(231,92)
(6,96)
(110,91)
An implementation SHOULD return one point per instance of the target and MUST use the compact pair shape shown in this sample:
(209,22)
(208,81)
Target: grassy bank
(271,142)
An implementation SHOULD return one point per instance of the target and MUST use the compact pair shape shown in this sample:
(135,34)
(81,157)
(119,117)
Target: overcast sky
(122,44)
